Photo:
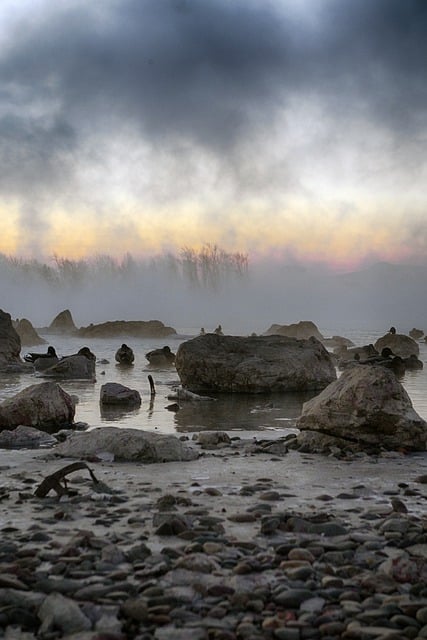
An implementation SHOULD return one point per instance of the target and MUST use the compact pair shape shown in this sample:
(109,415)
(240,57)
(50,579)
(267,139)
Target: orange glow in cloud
(296,233)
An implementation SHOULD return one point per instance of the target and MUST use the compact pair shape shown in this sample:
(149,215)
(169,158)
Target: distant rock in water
(401,344)
(256,364)
(63,323)
(416,334)
(301,330)
(133,328)
(28,334)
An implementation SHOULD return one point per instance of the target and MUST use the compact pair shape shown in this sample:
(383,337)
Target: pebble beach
(248,541)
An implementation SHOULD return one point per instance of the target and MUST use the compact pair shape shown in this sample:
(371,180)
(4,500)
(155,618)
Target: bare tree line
(206,268)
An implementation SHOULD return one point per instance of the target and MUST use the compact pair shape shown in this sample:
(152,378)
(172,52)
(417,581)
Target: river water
(234,412)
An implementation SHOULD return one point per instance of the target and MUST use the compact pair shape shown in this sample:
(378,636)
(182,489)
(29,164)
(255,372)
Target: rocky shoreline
(245,542)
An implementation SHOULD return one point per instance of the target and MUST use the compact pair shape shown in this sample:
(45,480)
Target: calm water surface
(228,412)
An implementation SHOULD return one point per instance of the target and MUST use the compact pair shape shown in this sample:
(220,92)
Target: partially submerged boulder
(302,330)
(45,406)
(75,367)
(401,344)
(10,342)
(126,445)
(256,364)
(114,393)
(366,406)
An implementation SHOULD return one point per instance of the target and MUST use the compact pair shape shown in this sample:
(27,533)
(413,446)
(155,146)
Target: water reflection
(241,411)
(112,413)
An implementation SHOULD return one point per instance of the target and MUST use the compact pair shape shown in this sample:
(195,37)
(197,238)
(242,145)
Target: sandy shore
(302,480)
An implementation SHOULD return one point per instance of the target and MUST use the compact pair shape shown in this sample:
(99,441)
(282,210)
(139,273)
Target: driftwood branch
(152,387)
(53,481)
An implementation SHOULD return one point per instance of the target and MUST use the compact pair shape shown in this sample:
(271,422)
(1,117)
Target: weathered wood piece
(53,481)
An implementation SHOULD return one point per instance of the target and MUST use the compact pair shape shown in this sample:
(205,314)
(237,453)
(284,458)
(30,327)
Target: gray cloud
(211,73)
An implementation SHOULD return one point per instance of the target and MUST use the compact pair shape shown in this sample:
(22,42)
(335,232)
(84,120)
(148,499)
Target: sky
(290,130)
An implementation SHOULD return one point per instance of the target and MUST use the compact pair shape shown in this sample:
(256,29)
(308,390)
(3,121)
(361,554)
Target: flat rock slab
(131,445)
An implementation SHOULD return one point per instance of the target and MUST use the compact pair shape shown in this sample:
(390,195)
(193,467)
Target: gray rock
(401,344)
(366,406)
(45,406)
(113,393)
(59,612)
(25,437)
(63,323)
(256,364)
(302,330)
(28,334)
(126,445)
(76,367)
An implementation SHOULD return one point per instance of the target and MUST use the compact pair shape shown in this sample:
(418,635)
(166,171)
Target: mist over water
(375,298)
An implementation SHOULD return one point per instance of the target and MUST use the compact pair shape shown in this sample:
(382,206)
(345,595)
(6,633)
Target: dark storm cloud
(209,72)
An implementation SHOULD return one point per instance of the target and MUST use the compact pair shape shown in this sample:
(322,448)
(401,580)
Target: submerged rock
(256,364)
(366,406)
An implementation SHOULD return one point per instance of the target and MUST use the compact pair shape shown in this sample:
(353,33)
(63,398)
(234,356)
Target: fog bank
(375,298)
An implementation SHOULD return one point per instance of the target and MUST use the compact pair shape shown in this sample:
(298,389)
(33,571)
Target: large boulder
(45,406)
(401,344)
(256,364)
(132,328)
(301,330)
(126,445)
(366,406)
(10,342)
(28,334)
